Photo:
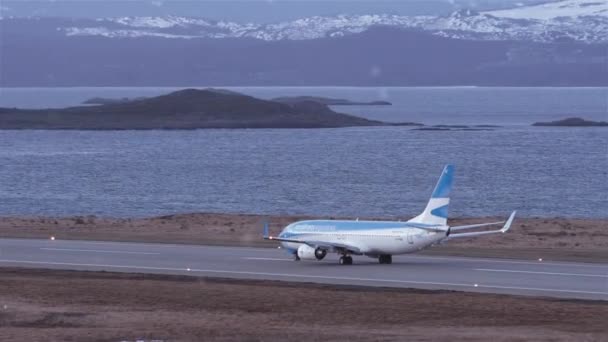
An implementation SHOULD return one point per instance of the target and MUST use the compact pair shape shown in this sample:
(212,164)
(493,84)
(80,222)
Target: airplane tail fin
(436,211)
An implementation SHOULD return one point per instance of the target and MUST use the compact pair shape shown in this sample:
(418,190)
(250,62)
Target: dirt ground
(44,305)
(529,238)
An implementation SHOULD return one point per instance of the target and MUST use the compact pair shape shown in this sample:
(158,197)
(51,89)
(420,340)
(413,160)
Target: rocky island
(185,109)
(573,122)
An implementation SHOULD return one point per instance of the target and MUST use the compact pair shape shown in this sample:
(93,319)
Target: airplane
(313,239)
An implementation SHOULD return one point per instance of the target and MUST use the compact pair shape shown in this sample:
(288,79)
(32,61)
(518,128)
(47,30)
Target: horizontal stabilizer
(504,229)
(471,226)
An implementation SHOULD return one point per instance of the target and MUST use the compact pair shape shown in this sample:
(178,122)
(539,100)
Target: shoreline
(559,239)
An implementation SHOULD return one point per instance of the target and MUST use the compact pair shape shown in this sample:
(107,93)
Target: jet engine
(308,253)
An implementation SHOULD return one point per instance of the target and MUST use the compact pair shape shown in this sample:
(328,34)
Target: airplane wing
(334,247)
(504,229)
(328,246)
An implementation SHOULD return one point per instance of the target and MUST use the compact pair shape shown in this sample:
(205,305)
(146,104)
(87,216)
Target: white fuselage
(370,237)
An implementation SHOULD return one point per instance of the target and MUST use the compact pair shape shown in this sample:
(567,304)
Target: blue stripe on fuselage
(341,226)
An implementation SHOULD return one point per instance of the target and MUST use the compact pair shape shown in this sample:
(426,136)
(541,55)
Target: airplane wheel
(386,259)
(345,260)
(296,257)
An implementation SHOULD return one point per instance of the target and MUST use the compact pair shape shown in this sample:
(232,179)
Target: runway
(523,277)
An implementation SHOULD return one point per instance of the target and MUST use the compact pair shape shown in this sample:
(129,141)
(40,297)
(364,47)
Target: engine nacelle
(308,253)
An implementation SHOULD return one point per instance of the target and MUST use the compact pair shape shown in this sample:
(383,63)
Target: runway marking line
(95,251)
(503,261)
(542,272)
(287,275)
(126,244)
(270,259)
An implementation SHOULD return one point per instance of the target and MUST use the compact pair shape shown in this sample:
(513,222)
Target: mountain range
(577,20)
(555,43)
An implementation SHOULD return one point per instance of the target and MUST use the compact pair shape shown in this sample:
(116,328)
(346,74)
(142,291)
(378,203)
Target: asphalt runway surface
(523,277)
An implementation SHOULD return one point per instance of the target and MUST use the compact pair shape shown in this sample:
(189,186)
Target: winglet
(508,223)
(266,234)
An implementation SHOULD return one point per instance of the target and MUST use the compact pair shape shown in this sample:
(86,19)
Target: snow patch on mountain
(159,22)
(553,10)
(112,33)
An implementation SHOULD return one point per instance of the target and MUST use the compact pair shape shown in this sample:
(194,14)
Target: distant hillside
(184,109)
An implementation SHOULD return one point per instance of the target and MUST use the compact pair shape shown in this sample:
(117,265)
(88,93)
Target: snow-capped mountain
(578,20)
(464,48)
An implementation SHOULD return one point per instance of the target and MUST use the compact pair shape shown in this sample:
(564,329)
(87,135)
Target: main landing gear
(346,260)
(296,257)
(385,259)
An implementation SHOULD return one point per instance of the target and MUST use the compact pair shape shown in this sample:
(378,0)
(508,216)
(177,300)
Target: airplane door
(410,238)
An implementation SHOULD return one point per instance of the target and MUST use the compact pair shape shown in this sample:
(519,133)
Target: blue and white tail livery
(314,239)
(436,211)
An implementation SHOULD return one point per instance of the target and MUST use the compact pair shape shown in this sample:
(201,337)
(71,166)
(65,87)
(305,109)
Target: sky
(258,11)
